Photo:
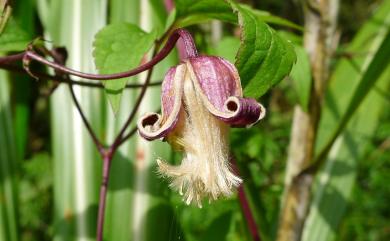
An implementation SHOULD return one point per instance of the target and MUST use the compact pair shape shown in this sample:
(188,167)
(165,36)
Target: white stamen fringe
(204,171)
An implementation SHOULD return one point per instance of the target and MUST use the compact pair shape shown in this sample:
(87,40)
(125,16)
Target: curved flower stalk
(200,99)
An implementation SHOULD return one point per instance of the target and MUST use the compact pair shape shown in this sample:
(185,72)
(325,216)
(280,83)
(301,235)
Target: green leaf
(190,12)
(119,47)
(272,19)
(14,38)
(264,58)
(301,77)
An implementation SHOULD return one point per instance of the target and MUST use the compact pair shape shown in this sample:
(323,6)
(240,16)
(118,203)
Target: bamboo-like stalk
(120,192)
(73,24)
(8,160)
(320,18)
(130,198)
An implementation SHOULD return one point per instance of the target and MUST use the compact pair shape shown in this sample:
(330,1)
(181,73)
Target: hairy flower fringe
(204,171)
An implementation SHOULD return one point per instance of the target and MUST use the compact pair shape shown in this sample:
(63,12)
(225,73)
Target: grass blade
(345,112)
(355,76)
(335,182)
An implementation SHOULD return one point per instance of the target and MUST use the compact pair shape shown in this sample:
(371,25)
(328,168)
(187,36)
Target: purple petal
(153,126)
(217,78)
(167,92)
(218,84)
(242,112)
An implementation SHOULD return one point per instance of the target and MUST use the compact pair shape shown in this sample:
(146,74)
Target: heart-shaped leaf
(117,48)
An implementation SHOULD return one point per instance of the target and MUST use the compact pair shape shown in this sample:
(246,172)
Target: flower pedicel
(201,98)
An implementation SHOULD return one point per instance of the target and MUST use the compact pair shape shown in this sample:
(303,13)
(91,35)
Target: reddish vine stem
(245,206)
(66,79)
(248,214)
(109,154)
(170,44)
(107,159)
(179,33)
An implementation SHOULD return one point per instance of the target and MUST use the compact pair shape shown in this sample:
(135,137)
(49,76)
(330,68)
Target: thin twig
(119,137)
(96,141)
(128,135)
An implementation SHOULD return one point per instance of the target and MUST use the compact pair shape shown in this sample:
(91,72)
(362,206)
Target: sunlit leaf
(190,12)
(263,58)
(119,47)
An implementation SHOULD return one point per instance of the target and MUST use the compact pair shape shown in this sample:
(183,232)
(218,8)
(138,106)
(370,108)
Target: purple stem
(169,5)
(248,214)
(95,140)
(178,33)
(245,206)
(107,158)
(109,154)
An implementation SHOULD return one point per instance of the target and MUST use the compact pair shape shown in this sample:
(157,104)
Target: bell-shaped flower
(201,98)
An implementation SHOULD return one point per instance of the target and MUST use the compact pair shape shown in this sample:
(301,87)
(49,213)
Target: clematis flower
(201,98)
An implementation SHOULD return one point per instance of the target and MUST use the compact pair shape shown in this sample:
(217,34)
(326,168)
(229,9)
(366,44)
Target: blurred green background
(50,170)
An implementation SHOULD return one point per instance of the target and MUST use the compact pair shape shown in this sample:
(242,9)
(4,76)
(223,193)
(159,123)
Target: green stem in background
(319,41)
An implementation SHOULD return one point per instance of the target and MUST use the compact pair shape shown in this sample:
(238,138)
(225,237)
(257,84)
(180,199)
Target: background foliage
(50,170)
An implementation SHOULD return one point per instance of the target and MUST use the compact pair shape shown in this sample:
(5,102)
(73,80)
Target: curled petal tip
(242,112)
(218,84)
(152,126)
